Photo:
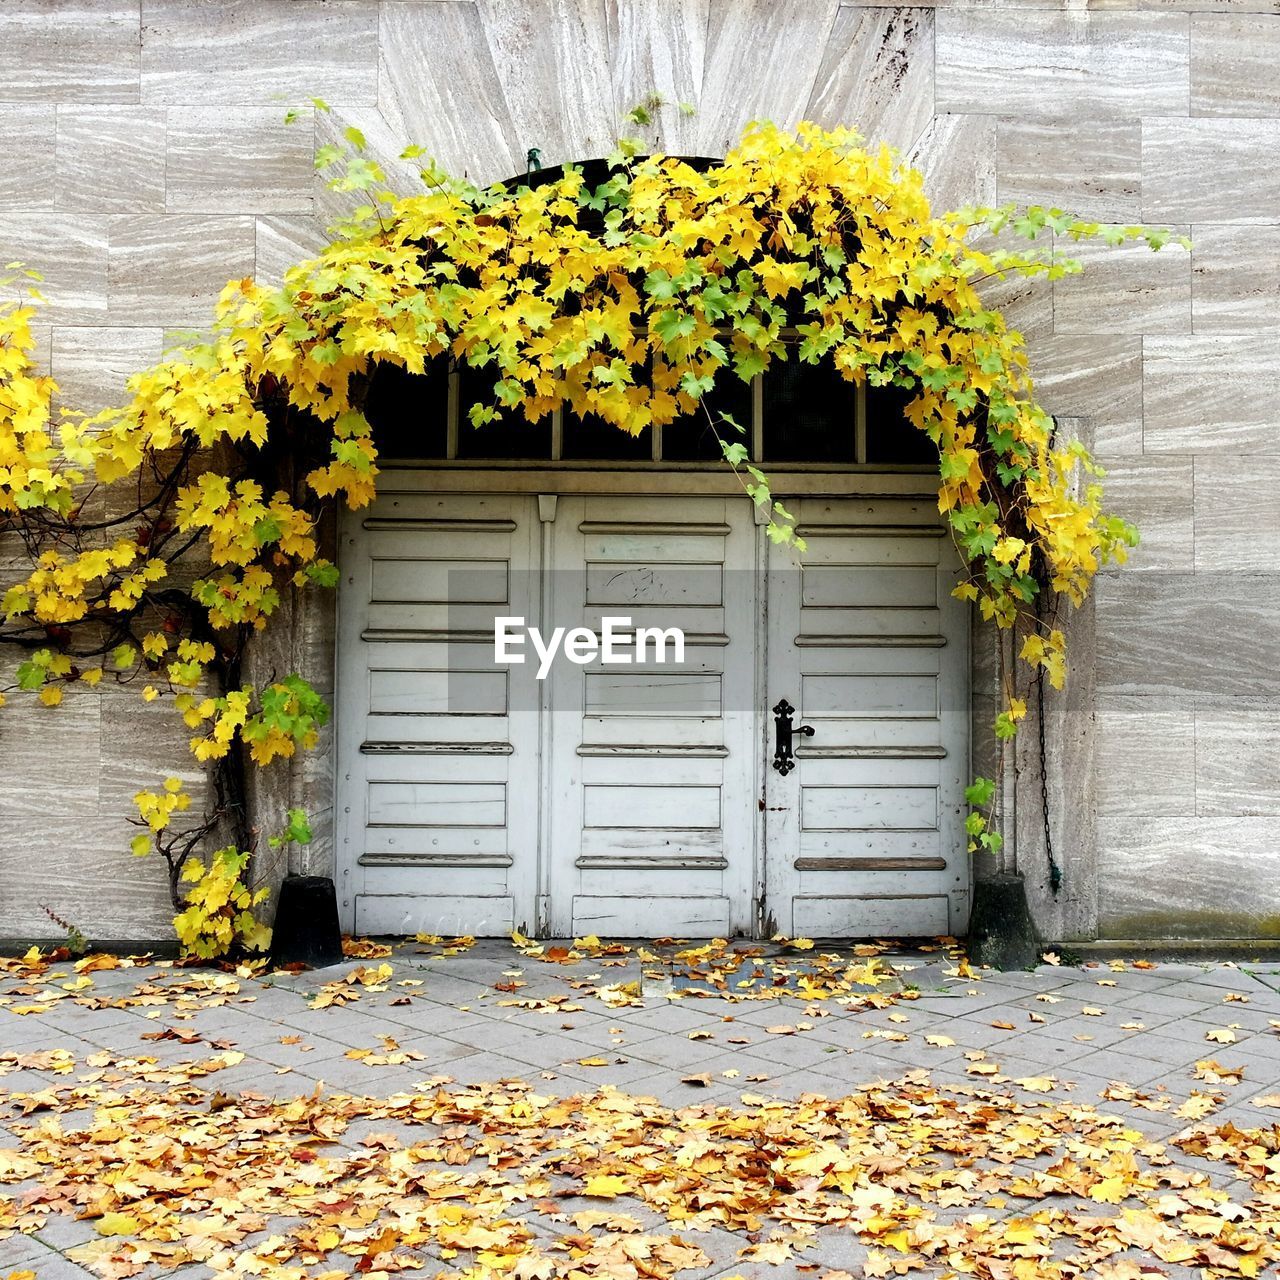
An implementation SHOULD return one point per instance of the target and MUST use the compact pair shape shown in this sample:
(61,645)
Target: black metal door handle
(784,759)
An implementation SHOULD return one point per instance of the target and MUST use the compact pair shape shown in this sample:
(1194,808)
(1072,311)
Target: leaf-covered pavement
(604,1110)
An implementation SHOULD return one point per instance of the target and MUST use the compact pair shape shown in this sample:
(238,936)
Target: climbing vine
(163,533)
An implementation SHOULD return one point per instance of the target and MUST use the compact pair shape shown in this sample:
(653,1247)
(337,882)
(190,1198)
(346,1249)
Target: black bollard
(1001,931)
(306,929)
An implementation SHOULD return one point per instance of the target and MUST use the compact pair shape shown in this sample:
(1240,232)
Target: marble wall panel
(59,849)
(1089,167)
(64,740)
(282,241)
(1208,170)
(877,75)
(91,365)
(957,155)
(762,62)
(1098,379)
(111,159)
(1237,757)
(1227,885)
(553,65)
(1237,514)
(438,88)
(70,252)
(81,869)
(1043,64)
(69,51)
(384,144)
(1125,289)
(141,744)
(1203,394)
(1234,57)
(202,51)
(1155,494)
(1235,278)
(1189,634)
(239,160)
(27,135)
(660,46)
(1146,757)
(169,269)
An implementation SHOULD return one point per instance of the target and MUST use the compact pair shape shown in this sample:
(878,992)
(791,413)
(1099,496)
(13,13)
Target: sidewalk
(874,1114)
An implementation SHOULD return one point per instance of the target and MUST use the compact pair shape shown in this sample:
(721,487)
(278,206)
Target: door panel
(437,746)
(865,835)
(652,788)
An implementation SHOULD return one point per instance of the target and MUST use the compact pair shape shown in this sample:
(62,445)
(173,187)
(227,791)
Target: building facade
(150,163)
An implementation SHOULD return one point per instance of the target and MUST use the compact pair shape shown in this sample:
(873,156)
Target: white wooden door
(653,773)
(437,746)
(639,799)
(864,836)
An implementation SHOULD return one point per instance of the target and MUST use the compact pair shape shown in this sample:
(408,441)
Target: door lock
(784,759)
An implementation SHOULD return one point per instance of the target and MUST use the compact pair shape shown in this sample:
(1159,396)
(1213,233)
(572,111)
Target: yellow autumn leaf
(118,1224)
(1109,1191)
(604,1186)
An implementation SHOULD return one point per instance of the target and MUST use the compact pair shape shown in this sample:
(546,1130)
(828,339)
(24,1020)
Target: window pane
(891,438)
(409,411)
(809,414)
(593,437)
(509,435)
(690,439)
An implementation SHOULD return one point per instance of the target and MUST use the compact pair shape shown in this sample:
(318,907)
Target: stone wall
(148,162)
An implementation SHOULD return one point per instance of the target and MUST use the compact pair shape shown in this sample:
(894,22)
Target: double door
(800,770)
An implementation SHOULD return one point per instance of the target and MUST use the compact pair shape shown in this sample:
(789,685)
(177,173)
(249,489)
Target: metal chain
(1055,871)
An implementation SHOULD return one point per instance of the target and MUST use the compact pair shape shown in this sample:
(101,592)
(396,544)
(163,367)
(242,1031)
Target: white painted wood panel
(856,586)
(615,582)
(651,787)
(437,748)
(864,836)
(635,916)
(890,916)
(888,695)
(657,804)
(649,691)
(484,915)
(886,808)
(415,691)
(397,803)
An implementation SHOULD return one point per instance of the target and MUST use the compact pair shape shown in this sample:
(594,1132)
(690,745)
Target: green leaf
(266,530)
(298,829)
(980,792)
(30,675)
(322,573)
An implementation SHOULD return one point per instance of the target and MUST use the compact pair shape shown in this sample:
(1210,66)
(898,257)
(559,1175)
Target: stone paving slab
(1123,1039)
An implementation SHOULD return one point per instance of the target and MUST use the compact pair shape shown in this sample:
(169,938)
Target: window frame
(556,460)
